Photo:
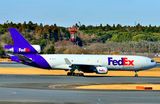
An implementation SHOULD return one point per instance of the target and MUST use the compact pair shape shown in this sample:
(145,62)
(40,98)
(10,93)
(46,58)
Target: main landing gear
(136,74)
(75,74)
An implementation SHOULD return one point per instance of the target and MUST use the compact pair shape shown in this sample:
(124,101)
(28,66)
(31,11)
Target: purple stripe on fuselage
(37,61)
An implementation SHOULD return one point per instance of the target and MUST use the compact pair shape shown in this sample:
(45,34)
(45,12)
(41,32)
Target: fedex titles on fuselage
(124,61)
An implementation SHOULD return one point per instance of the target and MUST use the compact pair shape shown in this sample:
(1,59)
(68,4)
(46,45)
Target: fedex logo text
(24,50)
(123,61)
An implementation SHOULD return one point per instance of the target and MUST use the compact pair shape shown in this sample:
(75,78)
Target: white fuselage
(111,62)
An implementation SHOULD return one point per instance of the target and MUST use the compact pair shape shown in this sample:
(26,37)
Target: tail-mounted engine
(14,49)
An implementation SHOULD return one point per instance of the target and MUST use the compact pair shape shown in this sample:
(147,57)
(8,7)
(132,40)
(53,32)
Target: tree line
(48,36)
(119,33)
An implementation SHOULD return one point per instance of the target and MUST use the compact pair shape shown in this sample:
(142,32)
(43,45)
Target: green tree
(1,51)
(43,43)
(50,50)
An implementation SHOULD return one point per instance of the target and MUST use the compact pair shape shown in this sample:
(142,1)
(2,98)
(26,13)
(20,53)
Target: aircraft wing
(82,67)
(73,65)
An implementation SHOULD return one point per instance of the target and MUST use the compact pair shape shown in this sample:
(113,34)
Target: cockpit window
(152,60)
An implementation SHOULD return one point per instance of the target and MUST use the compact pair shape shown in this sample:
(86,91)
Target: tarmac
(34,89)
(43,88)
(19,69)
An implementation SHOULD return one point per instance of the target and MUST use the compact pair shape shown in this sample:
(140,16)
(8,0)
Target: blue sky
(88,12)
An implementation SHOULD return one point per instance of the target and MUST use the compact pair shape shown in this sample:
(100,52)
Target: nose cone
(152,64)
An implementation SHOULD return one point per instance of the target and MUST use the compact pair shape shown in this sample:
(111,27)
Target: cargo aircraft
(22,51)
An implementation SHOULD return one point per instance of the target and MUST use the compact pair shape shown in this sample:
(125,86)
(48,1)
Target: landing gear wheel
(70,74)
(74,74)
(136,74)
(80,74)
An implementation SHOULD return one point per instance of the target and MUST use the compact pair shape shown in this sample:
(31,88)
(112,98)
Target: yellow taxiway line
(155,72)
(121,87)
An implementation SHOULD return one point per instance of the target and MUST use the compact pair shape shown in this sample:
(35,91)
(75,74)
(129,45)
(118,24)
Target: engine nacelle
(101,70)
(13,49)
(37,48)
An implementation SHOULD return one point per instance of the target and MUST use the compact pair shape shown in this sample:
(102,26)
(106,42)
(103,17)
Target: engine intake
(101,70)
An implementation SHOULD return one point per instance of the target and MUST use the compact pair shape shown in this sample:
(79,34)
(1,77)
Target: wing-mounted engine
(14,49)
(37,48)
(101,70)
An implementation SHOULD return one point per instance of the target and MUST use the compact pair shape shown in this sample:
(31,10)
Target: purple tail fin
(25,53)
(20,42)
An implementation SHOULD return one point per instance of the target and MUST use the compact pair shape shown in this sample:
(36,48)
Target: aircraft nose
(153,63)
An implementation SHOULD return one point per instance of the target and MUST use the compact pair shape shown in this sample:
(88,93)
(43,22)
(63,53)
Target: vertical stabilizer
(20,42)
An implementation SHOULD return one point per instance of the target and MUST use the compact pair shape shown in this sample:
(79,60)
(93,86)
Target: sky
(88,12)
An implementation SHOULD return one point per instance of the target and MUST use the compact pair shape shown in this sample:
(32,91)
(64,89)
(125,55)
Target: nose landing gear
(136,74)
